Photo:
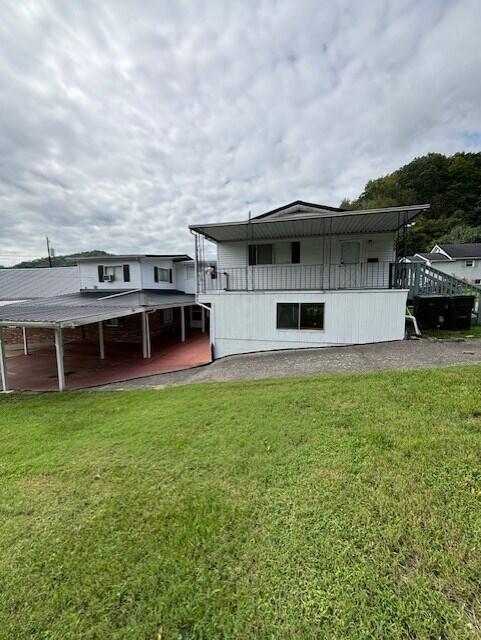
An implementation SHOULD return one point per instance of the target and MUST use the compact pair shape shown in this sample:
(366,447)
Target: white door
(350,252)
(350,272)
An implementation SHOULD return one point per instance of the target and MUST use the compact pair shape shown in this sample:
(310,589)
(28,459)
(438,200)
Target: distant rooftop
(466,250)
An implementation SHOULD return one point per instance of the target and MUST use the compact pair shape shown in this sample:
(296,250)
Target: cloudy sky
(122,122)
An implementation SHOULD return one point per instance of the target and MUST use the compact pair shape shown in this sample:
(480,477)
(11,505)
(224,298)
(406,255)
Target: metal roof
(176,257)
(467,250)
(297,206)
(28,284)
(87,307)
(312,224)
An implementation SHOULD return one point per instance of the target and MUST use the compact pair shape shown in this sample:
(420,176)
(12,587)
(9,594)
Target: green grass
(337,507)
(474,332)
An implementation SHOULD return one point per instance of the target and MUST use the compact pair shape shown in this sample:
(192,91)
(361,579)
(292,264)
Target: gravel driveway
(409,354)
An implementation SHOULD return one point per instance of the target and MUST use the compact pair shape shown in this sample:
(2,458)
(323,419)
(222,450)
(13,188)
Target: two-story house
(145,300)
(462,260)
(304,275)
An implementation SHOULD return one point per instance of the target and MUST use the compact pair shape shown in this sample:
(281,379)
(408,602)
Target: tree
(450,184)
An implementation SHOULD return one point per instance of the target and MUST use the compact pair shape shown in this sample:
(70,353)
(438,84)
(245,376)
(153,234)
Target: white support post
(202,311)
(59,353)
(25,341)
(3,363)
(101,340)
(146,346)
(182,324)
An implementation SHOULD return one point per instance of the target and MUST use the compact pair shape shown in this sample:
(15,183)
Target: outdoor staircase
(421,279)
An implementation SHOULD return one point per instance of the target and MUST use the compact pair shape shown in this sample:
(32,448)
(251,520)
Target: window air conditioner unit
(110,277)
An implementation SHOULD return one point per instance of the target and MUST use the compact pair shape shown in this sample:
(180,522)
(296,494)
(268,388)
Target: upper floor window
(126,272)
(469,263)
(260,254)
(162,275)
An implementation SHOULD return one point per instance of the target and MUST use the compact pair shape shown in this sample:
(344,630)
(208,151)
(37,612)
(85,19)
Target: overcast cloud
(123,122)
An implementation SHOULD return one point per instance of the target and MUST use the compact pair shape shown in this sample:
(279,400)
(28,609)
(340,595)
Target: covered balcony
(306,247)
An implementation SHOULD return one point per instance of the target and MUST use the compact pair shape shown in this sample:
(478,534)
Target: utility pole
(48,253)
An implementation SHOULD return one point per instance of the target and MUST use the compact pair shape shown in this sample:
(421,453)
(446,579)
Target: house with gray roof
(462,261)
(117,299)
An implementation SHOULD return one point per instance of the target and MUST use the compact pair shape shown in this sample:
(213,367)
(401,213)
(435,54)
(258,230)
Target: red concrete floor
(84,368)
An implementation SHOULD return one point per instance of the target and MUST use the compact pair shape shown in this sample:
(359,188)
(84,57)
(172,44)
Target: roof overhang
(383,220)
(58,313)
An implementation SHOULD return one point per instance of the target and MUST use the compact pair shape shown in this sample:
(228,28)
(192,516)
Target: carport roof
(303,220)
(84,307)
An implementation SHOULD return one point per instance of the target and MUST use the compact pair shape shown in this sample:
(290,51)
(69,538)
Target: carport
(82,314)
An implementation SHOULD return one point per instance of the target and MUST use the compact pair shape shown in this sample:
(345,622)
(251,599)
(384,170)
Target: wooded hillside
(451,184)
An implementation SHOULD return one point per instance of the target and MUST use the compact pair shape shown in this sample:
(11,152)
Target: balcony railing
(294,277)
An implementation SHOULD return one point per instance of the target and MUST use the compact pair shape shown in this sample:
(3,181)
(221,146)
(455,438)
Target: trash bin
(431,311)
(460,313)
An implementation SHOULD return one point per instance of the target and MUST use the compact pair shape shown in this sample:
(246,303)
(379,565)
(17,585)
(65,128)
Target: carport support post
(25,341)
(3,362)
(59,353)
(182,324)
(101,340)
(202,311)
(146,347)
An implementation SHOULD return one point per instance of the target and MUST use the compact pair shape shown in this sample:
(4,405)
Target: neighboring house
(303,275)
(31,284)
(460,260)
(118,298)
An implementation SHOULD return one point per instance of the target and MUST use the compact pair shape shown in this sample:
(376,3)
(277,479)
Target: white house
(459,260)
(303,275)
(133,299)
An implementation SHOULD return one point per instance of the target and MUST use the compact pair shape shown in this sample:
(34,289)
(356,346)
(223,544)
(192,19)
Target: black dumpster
(431,311)
(443,312)
(461,309)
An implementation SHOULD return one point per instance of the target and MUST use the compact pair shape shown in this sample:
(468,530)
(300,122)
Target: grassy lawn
(337,507)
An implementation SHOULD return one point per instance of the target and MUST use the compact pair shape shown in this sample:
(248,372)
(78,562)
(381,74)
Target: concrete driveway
(409,354)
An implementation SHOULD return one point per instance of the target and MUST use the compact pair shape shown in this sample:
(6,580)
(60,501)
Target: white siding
(315,250)
(459,269)
(89,278)
(185,276)
(246,321)
(141,275)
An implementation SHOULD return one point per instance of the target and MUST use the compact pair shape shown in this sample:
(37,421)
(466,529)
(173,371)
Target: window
(312,316)
(303,315)
(168,316)
(372,260)
(113,323)
(295,252)
(195,314)
(469,263)
(287,315)
(100,270)
(162,275)
(260,254)
(126,270)
(477,281)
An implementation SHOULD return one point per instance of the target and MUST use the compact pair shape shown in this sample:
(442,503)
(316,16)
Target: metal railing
(294,277)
